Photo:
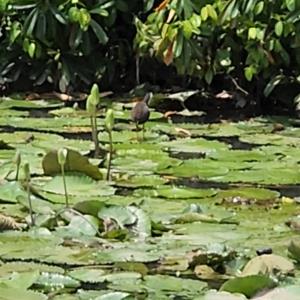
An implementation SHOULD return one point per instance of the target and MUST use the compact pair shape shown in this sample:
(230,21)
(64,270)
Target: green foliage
(252,40)
(63,43)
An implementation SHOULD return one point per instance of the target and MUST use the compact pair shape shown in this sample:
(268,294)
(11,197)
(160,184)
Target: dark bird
(140,112)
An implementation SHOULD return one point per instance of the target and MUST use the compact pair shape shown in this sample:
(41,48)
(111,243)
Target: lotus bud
(109,120)
(26,169)
(62,156)
(93,100)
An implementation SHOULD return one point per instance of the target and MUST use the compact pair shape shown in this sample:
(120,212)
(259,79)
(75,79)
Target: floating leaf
(248,285)
(79,185)
(270,264)
(75,162)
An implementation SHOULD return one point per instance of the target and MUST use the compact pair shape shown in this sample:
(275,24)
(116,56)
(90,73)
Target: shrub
(256,41)
(65,43)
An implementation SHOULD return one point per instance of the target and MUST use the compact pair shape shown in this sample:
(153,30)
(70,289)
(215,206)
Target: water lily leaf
(195,145)
(205,272)
(288,292)
(10,191)
(25,137)
(241,155)
(113,296)
(172,284)
(122,215)
(66,124)
(15,113)
(248,285)
(201,168)
(10,103)
(87,274)
(8,293)
(151,164)
(84,225)
(21,280)
(131,136)
(75,162)
(119,276)
(214,295)
(21,267)
(294,249)
(249,193)
(141,181)
(133,267)
(175,192)
(79,185)
(143,222)
(127,254)
(89,207)
(277,176)
(270,264)
(126,115)
(53,281)
(270,139)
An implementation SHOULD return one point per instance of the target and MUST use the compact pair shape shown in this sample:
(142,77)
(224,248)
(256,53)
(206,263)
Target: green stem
(95,135)
(17,173)
(29,202)
(65,185)
(109,155)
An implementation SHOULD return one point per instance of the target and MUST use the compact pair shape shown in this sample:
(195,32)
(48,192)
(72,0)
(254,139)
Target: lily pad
(175,192)
(195,145)
(75,162)
(249,193)
(248,285)
(80,185)
(270,264)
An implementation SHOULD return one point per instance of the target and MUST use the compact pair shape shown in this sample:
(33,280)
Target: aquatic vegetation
(180,213)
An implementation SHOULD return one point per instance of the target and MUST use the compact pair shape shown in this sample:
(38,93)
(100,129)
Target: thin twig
(238,87)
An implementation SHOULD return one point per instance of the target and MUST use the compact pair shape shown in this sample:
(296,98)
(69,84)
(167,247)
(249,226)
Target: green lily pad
(214,295)
(79,185)
(174,192)
(248,285)
(202,168)
(75,162)
(87,274)
(249,193)
(195,145)
(10,103)
(132,136)
(268,265)
(122,215)
(10,191)
(289,292)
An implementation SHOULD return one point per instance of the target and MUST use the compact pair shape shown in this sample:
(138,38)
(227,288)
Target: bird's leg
(137,130)
(143,131)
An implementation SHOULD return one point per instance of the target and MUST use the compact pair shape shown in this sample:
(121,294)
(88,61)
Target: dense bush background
(67,44)
(70,44)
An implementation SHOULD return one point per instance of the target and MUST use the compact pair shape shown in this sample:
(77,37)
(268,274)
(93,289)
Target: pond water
(186,208)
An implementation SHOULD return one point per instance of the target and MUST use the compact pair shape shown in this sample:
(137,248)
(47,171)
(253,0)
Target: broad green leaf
(252,33)
(99,32)
(75,162)
(248,285)
(279,28)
